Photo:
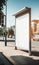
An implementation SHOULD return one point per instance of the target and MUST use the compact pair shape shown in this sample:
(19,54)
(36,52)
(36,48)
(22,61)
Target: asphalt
(4,60)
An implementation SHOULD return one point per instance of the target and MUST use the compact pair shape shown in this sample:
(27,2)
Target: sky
(15,5)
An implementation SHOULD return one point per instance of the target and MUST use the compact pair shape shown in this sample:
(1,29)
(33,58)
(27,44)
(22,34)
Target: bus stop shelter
(23,24)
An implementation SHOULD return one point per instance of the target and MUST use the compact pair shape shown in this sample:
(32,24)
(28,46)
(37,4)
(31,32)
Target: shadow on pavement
(4,60)
(22,60)
(1,59)
(35,53)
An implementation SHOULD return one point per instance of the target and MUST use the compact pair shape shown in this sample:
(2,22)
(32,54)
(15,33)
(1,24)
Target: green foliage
(2,2)
(1,31)
(10,32)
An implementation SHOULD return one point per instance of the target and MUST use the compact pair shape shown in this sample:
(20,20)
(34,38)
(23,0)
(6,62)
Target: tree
(10,32)
(2,2)
(1,31)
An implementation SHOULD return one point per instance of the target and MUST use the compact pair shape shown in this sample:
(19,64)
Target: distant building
(35,26)
(35,29)
(1,18)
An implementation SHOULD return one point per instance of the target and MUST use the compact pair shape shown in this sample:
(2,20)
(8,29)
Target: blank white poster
(22,32)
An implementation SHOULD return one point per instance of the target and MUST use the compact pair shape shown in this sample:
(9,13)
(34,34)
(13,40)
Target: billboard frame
(20,13)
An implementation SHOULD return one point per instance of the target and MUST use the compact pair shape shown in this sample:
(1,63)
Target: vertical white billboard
(22,32)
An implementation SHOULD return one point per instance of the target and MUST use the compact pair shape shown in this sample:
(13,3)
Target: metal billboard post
(30,31)
(5,24)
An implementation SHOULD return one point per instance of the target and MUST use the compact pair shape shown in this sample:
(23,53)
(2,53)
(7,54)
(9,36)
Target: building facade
(35,30)
(35,26)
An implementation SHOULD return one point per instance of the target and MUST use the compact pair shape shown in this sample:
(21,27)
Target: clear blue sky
(15,5)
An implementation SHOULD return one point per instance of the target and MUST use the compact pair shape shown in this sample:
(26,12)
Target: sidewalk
(19,57)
